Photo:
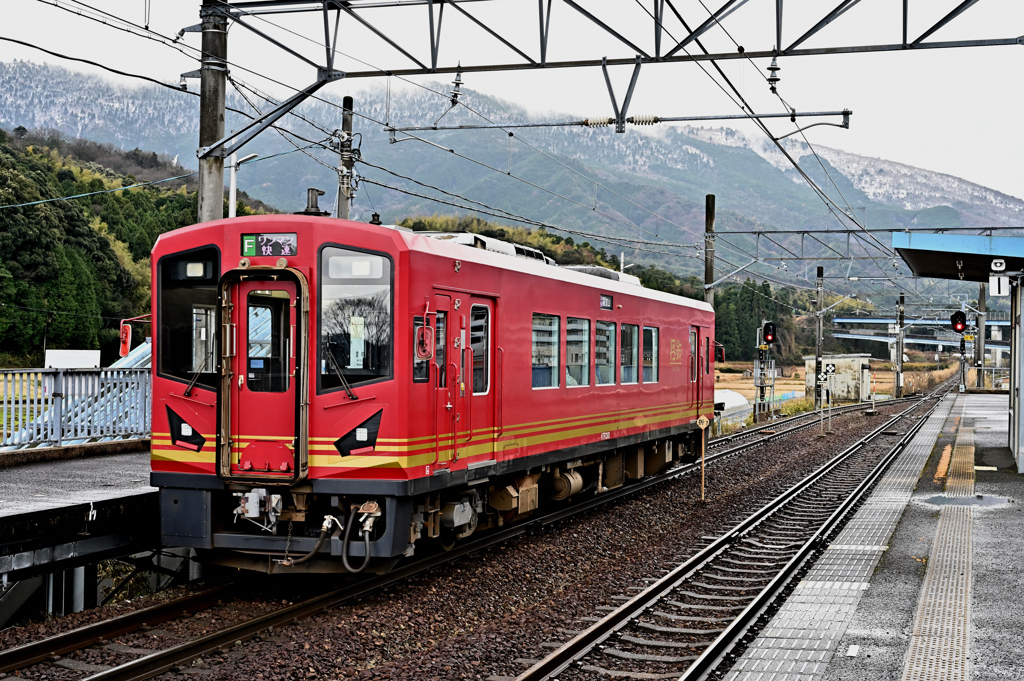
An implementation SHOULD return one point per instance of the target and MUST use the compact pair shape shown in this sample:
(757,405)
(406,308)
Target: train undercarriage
(300,529)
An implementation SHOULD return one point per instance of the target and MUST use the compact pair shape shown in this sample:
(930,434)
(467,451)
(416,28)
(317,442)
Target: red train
(329,395)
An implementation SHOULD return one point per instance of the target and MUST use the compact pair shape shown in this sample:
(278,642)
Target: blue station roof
(965,257)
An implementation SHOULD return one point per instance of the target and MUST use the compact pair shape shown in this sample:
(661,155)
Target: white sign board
(72,359)
(998,286)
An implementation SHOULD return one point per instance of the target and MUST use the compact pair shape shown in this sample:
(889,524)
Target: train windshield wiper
(191,384)
(337,370)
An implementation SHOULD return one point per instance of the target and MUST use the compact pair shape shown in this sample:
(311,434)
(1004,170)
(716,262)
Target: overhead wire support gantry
(353,8)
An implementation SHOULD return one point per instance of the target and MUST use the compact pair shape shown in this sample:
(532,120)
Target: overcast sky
(956,111)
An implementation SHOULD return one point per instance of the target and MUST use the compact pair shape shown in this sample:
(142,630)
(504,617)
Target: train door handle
(448,406)
(241,380)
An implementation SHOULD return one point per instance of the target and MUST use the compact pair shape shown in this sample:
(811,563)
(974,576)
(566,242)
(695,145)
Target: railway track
(694,616)
(183,653)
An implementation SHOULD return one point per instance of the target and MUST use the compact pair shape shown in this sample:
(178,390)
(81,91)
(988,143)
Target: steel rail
(586,641)
(725,642)
(37,651)
(164,660)
(751,432)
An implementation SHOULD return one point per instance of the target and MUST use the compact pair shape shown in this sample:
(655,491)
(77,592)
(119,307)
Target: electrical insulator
(598,121)
(768,333)
(958,320)
(643,120)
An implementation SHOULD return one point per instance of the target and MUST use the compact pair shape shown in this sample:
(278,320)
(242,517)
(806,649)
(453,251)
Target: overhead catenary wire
(462,103)
(176,46)
(616,241)
(173,44)
(776,141)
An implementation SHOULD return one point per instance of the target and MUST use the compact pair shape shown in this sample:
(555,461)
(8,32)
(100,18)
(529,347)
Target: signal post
(764,373)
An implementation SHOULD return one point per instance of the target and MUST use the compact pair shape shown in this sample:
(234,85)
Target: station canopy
(964,257)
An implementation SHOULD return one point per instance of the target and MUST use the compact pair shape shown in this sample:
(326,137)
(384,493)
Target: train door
(443,376)
(478,437)
(263,380)
(695,368)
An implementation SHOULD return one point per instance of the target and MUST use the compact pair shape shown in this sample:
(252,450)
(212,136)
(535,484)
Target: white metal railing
(997,378)
(64,406)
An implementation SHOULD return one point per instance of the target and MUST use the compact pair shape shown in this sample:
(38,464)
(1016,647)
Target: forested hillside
(72,269)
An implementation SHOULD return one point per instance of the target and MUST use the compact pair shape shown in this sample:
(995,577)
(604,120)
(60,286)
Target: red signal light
(958,320)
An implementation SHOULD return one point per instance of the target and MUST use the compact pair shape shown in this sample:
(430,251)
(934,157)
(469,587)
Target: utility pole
(709,249)
(345,192)
(819,287)
(979,341)
(898,388)
(213,85)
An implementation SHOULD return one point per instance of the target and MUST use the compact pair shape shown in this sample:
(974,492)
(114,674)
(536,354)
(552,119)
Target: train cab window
(693,355)
(420,367)
(186,316)
(479,341)
(628,351)
(267,357)
(604,353)
(546,339)
(440,348)
(577,352)
(650,354)
(355,318)
(707,355)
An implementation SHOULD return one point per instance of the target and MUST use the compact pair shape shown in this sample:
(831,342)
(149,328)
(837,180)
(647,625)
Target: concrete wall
(848,383)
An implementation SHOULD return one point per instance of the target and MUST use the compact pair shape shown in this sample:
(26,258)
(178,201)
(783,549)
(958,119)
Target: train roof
(627,284)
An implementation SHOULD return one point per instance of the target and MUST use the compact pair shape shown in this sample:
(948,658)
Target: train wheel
(447,538)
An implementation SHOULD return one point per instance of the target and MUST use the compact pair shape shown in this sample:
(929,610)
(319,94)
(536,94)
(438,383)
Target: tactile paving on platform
(801,639)
(940,642)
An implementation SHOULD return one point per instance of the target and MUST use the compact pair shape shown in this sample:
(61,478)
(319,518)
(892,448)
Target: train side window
(186,310)
(650,354)
(204,334)
(441,349)
(628,350)
(479,341)
(546,339)
(355,318)
(267,356)
(420,367)
(604,353)
(693,355)
(707,355)
(577,352)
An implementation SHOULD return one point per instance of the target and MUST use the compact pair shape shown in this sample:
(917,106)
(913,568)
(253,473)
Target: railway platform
(59,518)
(922,582)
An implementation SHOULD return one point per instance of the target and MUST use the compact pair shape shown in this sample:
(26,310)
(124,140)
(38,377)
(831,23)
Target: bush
(794,407)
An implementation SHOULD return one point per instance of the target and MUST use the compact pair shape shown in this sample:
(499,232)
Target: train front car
(330,395)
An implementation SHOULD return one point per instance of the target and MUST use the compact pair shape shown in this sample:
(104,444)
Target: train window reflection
(545,351)
(440,349)
(420,367)
(479,341)
(577,352)
(355,318)
(267,356)
(650,354)
(186,311)
(604,353)
(629,351)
